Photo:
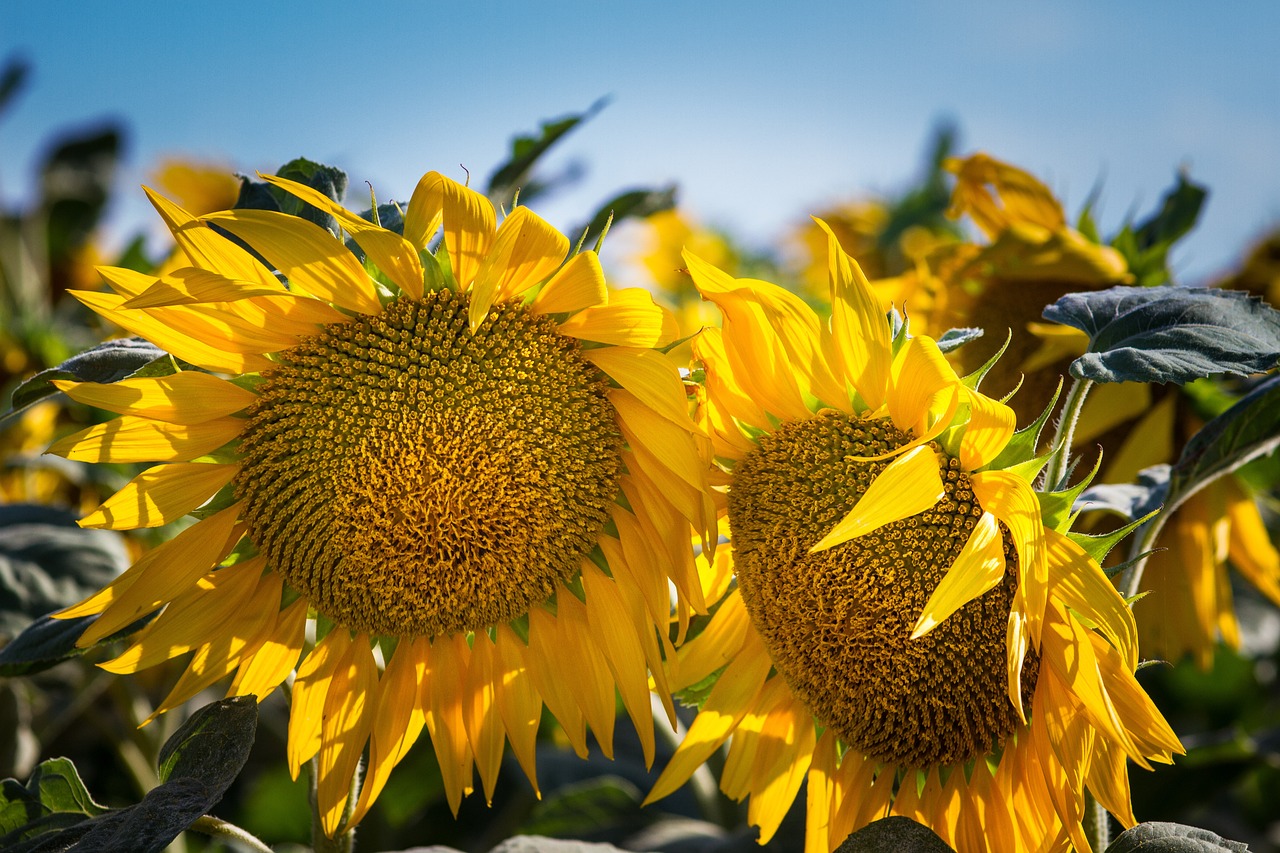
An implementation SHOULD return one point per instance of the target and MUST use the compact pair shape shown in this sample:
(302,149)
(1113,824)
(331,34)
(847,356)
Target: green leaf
(198,764)
(1160,837)
(75,182)
(48,562)
(12,79)
(328,180)
(107,362)
(1146,247)
(513,175)
(607,806)
(1169,334)
(53,797)
(631,204)
(891,834)
(1246,431)
(953,339)
(213,745)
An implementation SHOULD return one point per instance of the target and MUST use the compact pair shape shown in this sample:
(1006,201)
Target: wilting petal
(978,568)
(908,486)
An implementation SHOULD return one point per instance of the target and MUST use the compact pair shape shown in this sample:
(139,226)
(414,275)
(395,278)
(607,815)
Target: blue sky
(761,113)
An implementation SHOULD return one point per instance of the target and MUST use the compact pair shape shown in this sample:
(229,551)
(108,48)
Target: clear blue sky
(761,111)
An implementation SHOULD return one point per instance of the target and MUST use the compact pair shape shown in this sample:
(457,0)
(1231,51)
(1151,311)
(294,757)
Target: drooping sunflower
(1034,258)
(471,471)
(907,631)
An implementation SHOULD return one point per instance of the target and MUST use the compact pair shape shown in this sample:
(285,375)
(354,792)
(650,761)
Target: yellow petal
(859,329)
(606,615)
(518,702)
(1010,498)
(526,250)
(348,715)
(133,439)
(579,284)
(542,658)
(978,568)
(991,425)
(1249,546)
(1021,197)
(160,575)
(306,254)
(188,397)
(787,740)
(445,717)
(1081,584)
(631,319)
(391,253)
(270,664)
(208,249)
(161,494)
(720,643)
(206,610)
(306,703)
(921,376)
(651,376)
(193,286)
(909,485)
(483,721)
(592,683)
(207,352)
(399,719)
(469,222)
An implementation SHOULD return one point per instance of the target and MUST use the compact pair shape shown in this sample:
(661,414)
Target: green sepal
(1056,507)
(1100,544)
(973,380)
(1023,443)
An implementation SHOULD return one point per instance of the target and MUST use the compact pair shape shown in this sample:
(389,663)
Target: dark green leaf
(953,339)
(75,181)
(1161,837)
(47,642)
(1169,334)
(1129,500)
(48,562)
(53,798)
(107,362)
(1247,430)
(631,204)
(593,807)
(514,174)
(1146,247)
(12,78)
(213,745)
(327,180)
(894,835)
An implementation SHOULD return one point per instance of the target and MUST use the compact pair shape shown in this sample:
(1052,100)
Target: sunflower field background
(338,516)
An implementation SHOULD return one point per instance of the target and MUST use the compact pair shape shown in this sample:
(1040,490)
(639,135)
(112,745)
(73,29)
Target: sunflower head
(453,443)
(902,589)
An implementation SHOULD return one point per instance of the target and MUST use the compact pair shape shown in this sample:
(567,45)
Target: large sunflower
(906,629)
(471,465)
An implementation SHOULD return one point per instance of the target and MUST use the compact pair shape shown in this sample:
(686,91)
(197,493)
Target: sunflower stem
(218,828)
(1097,823)
(1056,471)
(344,840)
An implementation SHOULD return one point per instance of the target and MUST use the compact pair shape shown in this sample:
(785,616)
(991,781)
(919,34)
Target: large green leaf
(107,362)
(1169,334)
(1247,430)
(1161,837)
(48,562)
(198,764)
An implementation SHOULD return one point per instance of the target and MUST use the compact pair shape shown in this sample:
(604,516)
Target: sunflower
(907,631)
(1034,258)
(470,474)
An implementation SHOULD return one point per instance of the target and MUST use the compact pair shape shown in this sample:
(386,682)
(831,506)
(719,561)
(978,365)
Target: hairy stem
(218,828)
(1065,434)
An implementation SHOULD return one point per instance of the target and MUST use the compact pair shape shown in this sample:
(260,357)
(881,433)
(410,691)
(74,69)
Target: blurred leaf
(605,806)
(631,204)
(213,745)
(1169,334)
(75,180)
(953,339)
(1247,430)
(1129,500)
(540,844)
(107,362)
(514,174)
(199,763)
(892,835)
(1160,837)
(1146,247)
(12,79)
(48,562)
